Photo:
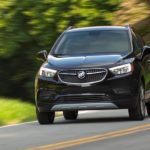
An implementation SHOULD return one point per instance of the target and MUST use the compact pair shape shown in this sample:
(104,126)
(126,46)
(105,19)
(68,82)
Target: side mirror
(146,50)
(42,55)
(146,47)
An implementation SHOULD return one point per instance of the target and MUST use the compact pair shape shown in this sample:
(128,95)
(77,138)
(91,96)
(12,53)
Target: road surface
(95,130)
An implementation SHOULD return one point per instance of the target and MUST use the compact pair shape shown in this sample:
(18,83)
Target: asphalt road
(97,130)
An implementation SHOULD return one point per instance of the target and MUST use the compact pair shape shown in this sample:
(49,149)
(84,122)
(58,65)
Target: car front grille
(76,76)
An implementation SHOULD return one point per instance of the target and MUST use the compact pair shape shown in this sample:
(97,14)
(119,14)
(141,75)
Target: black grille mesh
(92,75)
(82,99)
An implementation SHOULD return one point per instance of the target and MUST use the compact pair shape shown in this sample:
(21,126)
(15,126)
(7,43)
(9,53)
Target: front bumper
(113,93)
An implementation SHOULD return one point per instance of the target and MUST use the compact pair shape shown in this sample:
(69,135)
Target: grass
(15,111)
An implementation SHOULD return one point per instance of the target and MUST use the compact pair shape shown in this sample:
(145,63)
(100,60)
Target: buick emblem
(81,74)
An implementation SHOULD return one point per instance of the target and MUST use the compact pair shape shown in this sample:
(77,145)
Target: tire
(70,115)
(138,112)
(45,117)
(148,109)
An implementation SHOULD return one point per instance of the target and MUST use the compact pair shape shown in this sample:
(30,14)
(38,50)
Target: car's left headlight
(47,72)
(122,69)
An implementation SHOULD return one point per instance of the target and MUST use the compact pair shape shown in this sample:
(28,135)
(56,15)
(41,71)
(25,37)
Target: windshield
(93,42)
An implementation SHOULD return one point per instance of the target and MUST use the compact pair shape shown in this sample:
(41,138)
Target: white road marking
(30,122)
(80,112)
(18,124)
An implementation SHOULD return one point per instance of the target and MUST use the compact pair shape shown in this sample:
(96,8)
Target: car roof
(98,28)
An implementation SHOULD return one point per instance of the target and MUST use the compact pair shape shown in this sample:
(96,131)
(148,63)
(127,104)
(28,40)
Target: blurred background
(29,26)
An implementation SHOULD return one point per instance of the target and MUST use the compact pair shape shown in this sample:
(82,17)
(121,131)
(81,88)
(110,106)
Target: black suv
(94,68)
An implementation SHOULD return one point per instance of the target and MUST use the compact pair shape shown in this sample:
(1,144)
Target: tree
(29,26)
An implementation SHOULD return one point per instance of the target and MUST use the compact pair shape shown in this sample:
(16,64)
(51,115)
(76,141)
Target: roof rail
(131,27)
(71,27)
(128,25)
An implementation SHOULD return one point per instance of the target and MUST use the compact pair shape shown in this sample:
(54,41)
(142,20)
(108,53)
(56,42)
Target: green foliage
(28,26)
(14,111)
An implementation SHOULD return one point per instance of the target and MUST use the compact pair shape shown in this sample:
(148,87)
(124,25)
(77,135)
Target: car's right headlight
(122,69)
(46,72)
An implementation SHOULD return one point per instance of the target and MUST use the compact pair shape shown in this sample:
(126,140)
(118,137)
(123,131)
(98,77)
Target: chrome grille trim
(88,72)
(95,72)
(71,74)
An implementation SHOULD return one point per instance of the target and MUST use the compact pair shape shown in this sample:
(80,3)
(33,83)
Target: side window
(140,42)
(136,45)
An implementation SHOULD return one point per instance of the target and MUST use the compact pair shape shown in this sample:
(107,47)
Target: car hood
(83,61)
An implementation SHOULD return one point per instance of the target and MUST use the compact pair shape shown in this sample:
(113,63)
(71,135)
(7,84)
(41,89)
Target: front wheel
(70,115)
(138,112)
(45,117)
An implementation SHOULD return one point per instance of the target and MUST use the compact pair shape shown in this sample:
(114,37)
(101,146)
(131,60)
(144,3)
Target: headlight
(122,69)
(47,72)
